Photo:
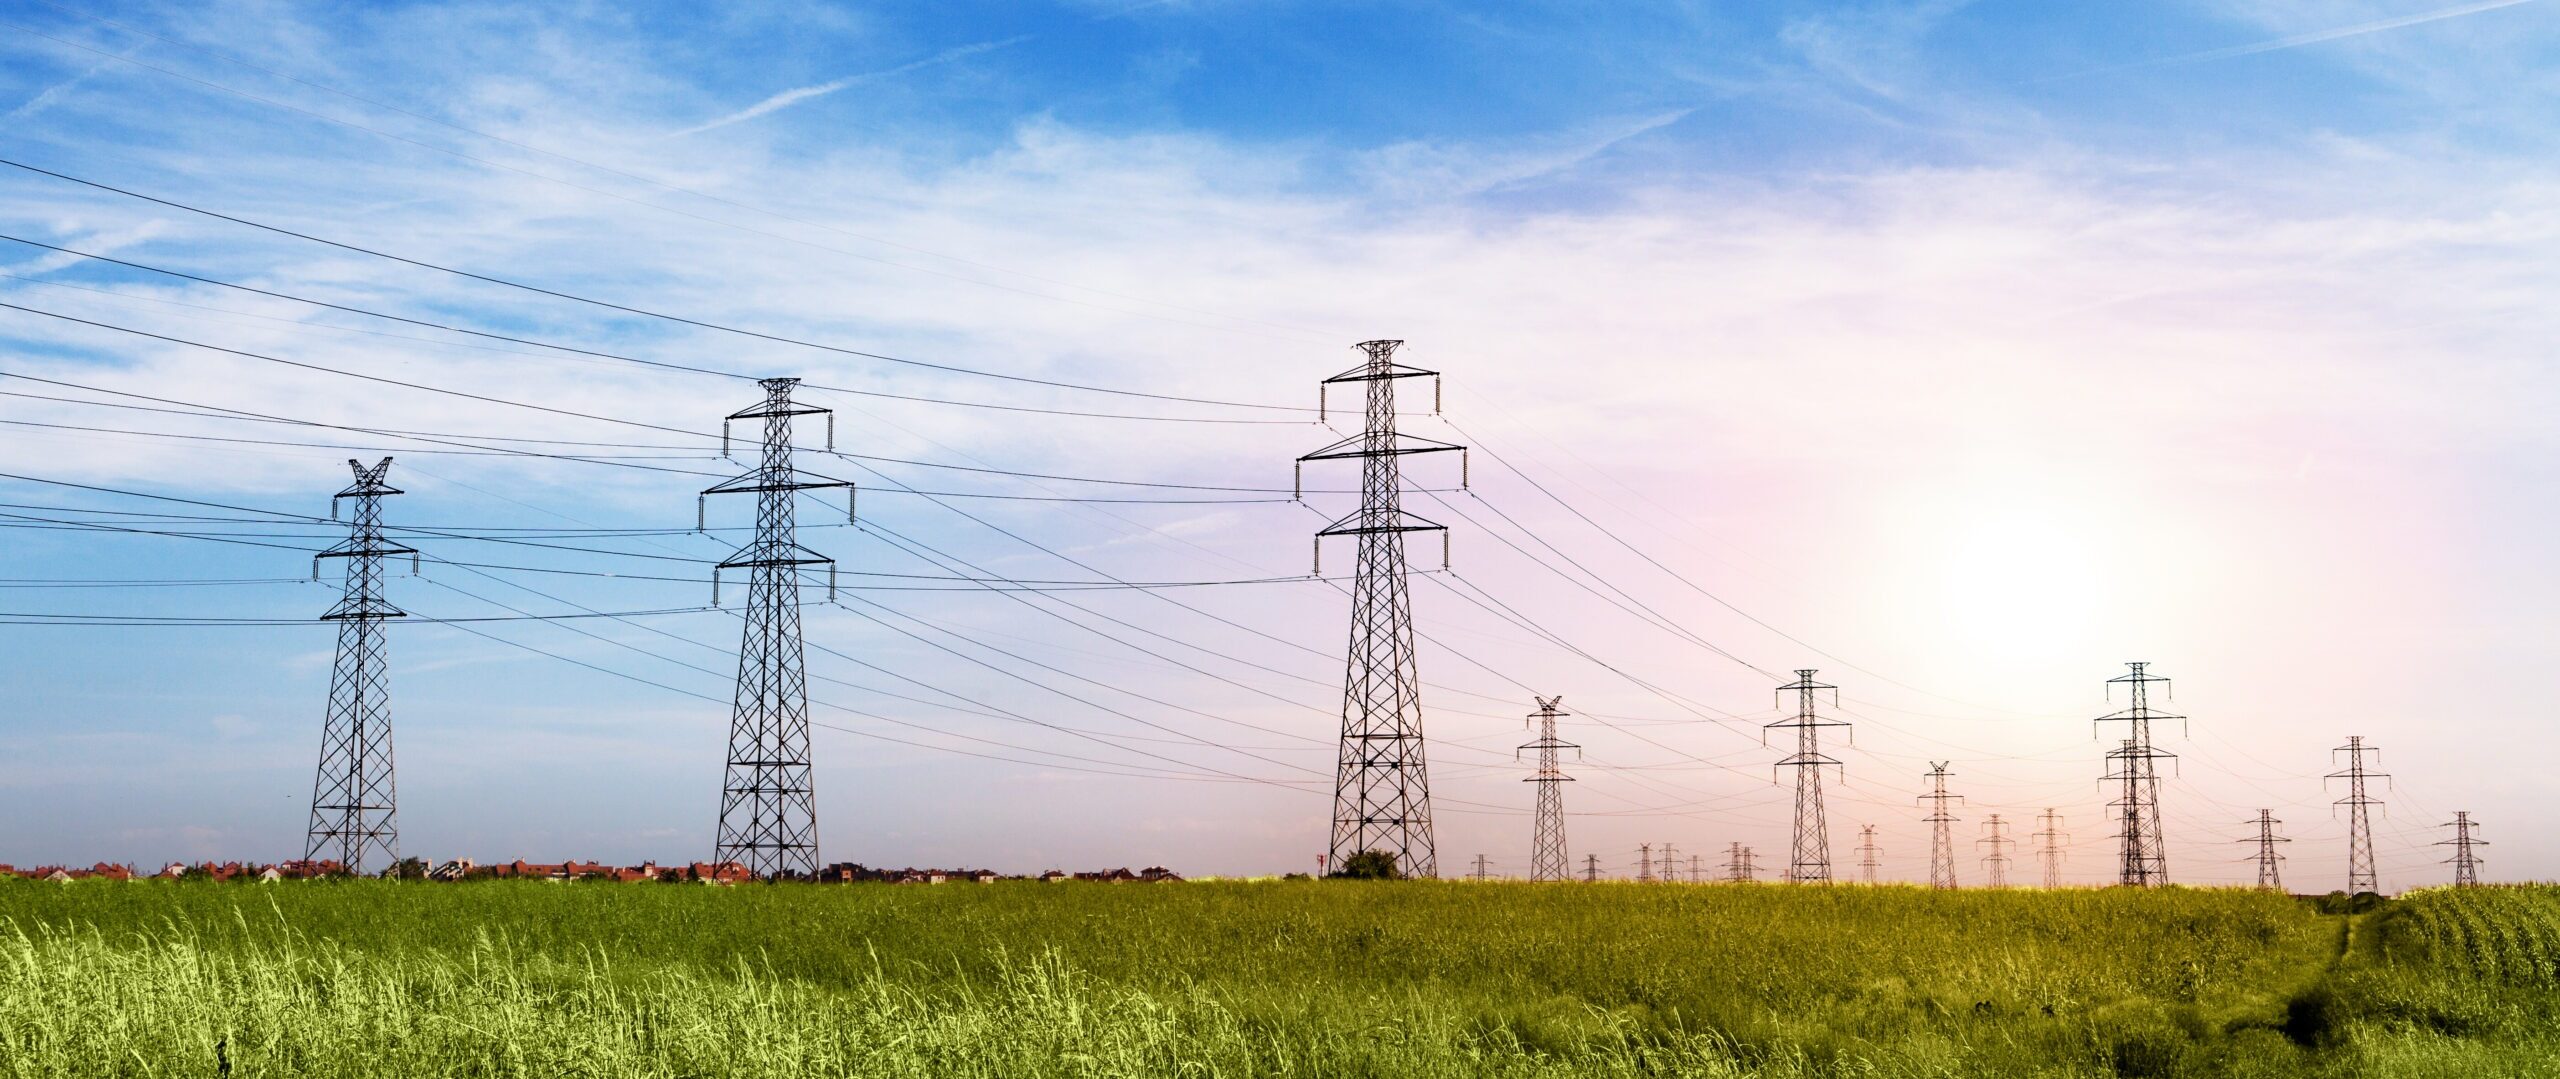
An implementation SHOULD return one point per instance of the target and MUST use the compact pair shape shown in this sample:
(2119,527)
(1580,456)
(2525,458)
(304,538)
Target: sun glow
(2012,575)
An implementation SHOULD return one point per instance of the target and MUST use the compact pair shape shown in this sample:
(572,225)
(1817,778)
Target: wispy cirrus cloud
(788,98)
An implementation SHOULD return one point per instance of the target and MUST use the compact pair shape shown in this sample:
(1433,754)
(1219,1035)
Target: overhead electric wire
(829,704)
(633,310)
(611,170)
(565,348)
(475,159)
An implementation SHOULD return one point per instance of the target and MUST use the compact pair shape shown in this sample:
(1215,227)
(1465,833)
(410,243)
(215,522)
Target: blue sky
(1978,346)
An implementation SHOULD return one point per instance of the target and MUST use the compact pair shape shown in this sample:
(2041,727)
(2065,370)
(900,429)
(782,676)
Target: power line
(631,310)
(567,348)
(624,174)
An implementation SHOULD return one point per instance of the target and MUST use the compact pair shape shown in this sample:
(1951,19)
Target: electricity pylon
(1381,785)
(2049,839)
(768,792)
(1995,865)
(1547,859)
(2466,865)
(1942,844)
(1811,860)
(1482,873)
(1738,866)
(1697,873)
(1867,853)
(2143,858)
(1590,869)
(2361,876)
(1670,865)
(2270,873)
(354,795)
(1644,864)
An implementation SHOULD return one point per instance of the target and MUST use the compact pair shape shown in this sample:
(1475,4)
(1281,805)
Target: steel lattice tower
(2143,859)
(2466,865)
(768,798)
(1644,863)
(1483,871)
(1867,850)
(1738,866)
(2050,838)
(353,795)
(1381,786)
(1811,860)
(2361,876)
(1995,865)
(1590,869)
(1547,859)
(2270,873)
(1942,844)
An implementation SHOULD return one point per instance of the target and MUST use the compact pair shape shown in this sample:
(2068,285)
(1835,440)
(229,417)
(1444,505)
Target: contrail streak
(788,98)
(2298,40)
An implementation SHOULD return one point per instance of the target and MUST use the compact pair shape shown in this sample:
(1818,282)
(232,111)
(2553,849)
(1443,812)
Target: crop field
(1404,979)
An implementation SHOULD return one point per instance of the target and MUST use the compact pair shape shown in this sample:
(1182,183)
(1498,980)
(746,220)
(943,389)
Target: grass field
(1264,978)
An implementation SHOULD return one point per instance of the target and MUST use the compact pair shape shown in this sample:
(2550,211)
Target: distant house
(1155,873)
(309,868)
(270,875)
(1053,876)
(718,872)
(456,869)
(984,876)
(174,870)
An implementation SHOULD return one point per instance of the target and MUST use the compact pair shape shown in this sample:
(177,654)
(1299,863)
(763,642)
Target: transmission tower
(1482,872)
(1942,844)
(1867,853)
(2466,865)
(2270,875)
(2050,838)
(768,797)
(353,795)
(1670,865)
(1995,865)
(1590,869)
(1381,787)
(2361,876)
(1739,866)
(2144,853)
(1697,872)
(1644,864)
(1811,861)
(1547,859)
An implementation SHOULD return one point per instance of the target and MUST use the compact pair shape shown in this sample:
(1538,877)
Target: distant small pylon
(1738,866)
(1547,859)
(2466,865)
(2270,877)
(1867,853)
(1810,862)
(1995,865)
(1942,844)
(2050,838)
(2361,874)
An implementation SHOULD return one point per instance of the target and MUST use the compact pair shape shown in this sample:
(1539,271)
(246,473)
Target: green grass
(1263,978)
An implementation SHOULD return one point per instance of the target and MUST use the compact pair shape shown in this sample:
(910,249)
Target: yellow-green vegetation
(1316,978)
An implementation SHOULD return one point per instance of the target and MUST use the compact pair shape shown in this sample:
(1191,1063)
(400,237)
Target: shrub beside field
(1303,978)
